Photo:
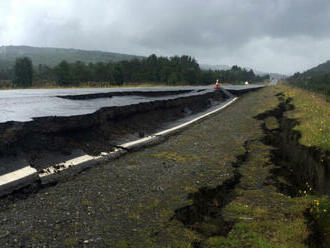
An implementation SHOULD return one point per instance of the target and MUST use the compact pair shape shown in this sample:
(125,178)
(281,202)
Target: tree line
(171,70)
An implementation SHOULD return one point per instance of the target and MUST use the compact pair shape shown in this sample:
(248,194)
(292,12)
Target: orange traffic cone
(217,84)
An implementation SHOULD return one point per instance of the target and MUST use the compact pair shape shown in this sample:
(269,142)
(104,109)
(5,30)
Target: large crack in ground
(297,164)
(272,137)
(205,214)
(296,170)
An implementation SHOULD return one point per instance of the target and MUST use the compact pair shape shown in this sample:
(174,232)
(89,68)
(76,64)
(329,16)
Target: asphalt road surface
(24,105)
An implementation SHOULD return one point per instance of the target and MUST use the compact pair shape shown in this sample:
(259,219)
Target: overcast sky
(270,35)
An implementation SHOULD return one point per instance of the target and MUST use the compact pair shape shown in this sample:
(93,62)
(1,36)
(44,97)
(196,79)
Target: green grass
(320,212)
(317,84)
(263,217)
(313,113)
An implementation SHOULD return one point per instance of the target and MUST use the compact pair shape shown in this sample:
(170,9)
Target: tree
(118,75)
(63,73)
(173,78)
(23,72)
(80,72)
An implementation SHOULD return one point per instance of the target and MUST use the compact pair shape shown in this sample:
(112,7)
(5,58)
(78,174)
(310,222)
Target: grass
(174,156)
(313,113)
(320,212)
(312,110)
(263,217)
(319,84)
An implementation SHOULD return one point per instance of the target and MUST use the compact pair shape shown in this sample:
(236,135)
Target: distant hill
(53,56)
(316,79)
(321,69)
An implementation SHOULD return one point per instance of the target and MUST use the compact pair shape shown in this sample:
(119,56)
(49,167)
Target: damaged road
(131,201)
(47,141)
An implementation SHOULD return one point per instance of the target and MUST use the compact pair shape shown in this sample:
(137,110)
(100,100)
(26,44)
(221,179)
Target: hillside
(321,69)
(53,56)
(316,79)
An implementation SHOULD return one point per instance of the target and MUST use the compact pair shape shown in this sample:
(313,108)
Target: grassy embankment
(266,218)
(313,112)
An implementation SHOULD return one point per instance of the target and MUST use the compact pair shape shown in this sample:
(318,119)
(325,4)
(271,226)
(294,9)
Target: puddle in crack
(205,214)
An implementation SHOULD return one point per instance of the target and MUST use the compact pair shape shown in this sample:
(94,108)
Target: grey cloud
(272,35)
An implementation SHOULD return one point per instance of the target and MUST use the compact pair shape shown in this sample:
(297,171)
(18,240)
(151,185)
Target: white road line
(171,130)
(10,181)
(17,179)
(16,175)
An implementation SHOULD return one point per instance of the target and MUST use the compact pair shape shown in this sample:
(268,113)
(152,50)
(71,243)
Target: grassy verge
(319,85)
(264,217)
(313,112)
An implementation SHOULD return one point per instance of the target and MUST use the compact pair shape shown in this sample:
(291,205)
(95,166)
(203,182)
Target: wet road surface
(24,105)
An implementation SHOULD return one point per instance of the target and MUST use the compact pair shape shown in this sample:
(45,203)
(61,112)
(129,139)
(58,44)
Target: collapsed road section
(38,149)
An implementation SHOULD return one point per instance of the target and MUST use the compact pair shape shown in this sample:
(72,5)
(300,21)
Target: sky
(283,36)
